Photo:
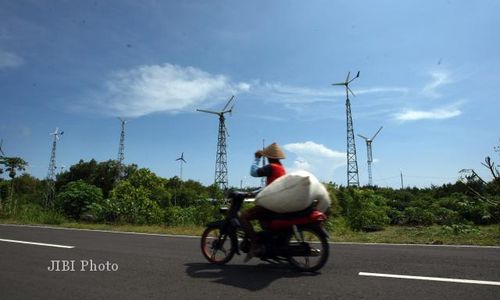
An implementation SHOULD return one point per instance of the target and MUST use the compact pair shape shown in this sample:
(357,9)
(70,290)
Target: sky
(429,74)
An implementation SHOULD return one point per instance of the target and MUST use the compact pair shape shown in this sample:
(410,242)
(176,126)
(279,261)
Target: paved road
(165,267)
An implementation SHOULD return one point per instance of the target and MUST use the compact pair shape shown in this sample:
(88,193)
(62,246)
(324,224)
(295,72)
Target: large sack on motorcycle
(294,192)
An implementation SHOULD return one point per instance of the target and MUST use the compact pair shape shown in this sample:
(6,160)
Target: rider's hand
(258,154)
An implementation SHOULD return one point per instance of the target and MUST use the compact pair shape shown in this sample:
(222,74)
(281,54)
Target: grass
(435,235)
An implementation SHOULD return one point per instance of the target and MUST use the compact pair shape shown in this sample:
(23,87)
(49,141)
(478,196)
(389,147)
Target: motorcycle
(298,238)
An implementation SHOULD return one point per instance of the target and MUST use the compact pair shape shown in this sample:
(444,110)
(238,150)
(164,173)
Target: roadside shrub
(128,204)
(445,216)
(75,197)
(457,229)
(367,211)
(192,215)
(418,216)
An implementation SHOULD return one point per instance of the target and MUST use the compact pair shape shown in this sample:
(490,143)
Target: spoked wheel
(309,249)
(216,247)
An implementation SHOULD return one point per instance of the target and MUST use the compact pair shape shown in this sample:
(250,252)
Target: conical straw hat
(273,151)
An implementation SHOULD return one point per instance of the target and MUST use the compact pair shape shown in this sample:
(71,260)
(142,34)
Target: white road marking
(430,278)
(37,244)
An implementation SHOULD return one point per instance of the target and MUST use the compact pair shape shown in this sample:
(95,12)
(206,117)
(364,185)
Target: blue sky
(429,75)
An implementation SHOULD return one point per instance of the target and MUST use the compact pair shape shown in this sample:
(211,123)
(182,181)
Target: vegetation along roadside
(88,196)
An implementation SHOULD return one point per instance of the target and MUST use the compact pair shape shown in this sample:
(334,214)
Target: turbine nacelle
(346,83)
(373,137)
(181,158)
(223,111)
(57,135)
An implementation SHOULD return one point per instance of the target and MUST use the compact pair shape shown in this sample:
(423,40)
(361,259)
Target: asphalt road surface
(135,266)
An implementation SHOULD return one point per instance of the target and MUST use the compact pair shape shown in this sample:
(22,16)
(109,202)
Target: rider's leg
(254,213)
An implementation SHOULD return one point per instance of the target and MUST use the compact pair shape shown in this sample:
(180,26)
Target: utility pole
(263,179)
(401,174)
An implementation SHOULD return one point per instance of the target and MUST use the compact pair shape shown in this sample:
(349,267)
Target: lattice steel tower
(121,151)
(51,174)
(221,157)
(369,154)
(352,163)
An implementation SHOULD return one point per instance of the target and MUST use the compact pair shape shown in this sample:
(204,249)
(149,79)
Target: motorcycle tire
(315,241)
(216,247)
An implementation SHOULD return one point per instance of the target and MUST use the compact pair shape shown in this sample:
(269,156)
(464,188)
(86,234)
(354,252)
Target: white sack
(294,192)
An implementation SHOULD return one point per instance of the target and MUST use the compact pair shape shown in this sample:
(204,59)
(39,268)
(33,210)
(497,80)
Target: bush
(366,211)
(128,204)
(418,216)
(76,196)
(193,215)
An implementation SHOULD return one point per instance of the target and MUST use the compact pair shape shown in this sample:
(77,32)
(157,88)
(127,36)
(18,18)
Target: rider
(273,170)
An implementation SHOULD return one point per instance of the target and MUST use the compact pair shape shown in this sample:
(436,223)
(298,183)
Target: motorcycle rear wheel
(319,249)
(216,247)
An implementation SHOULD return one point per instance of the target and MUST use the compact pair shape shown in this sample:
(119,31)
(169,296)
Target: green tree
(102,174)
(128,204)
(13,165)
(75,198)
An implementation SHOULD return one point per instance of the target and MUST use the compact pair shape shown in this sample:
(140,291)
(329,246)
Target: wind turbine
(369,153)
(121,150)
(181,161)
(1,150)
(221,156)
(51,174)
(352,163)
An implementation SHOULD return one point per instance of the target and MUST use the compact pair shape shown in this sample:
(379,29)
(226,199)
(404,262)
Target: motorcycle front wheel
(308,249)
(216,247)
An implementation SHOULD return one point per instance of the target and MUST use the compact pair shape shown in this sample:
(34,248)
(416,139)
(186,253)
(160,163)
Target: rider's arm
(255,167)
(255,171)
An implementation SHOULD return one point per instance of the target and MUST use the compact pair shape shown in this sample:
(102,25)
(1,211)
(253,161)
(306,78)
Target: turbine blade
(347,78)
(377,132)
(231,109)
(349,89)
(361,136)
(183,160)
(227,104)
(340,83)
(208,111)
(357,75)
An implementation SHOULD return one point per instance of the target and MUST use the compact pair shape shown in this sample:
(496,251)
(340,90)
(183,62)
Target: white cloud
(8,59)
(436,114)
(163,88)
(438,79)
(316,158)
(277,92)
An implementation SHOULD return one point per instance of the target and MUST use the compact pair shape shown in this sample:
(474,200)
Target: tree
(75,198)
(129,204)
(13,165)
(102,174)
